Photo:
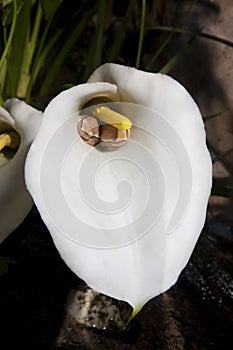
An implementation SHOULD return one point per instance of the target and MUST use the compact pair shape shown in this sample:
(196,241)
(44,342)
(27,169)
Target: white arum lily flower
(127,221)
(19,124)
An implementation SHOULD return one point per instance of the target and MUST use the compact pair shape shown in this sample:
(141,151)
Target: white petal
(15,201)
(145,267)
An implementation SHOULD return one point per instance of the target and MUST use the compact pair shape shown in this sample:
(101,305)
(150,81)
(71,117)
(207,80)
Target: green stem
(37,58)
(28,55)
(13,24)
(9,40)
(133,314)
(35,31)
(3,70)
(50,46)
(34,36)
(141,35)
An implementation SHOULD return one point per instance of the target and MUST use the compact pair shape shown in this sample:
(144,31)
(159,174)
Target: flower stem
(28,55)
(37,57)
(133,314)
(141,35)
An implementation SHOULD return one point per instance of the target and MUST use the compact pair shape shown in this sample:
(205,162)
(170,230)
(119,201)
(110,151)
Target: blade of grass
(3,70)
(8,44)
(160,50)
(19,44)
(38,54)
(94,56)
(5,73)
(198,33)
(174,60)
(63,52)
(141,34)
(52,45)
(49,7)
(117,44)
(28,54)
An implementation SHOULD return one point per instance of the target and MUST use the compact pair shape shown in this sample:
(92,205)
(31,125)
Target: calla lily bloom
(127,221)
(19,124)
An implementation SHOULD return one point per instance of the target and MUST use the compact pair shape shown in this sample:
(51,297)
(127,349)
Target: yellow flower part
(10,139)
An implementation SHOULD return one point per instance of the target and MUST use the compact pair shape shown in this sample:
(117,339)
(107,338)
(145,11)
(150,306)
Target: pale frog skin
(146,267)
(15,200)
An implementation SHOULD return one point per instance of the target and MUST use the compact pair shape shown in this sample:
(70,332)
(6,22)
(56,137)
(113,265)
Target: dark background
(197,312)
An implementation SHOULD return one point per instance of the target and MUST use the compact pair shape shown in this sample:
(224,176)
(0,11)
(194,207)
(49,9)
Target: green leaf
(141,34)
(49,7)
(160,50)
(71,39)
(94,56)
(7,44)
(4,262)
(19,43)
(38,54)
(6,2)
(29,52)
(7,15)
(174,60)
(117,44)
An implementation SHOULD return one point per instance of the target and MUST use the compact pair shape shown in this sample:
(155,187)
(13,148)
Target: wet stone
(91,309)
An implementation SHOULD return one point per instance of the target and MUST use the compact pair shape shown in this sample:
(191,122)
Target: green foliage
(94,55)
(175,59)
(25,25)
(7,15)
(6,2)
(49,7)
(119,40)
(141,36)
(37,43)
(160,50)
